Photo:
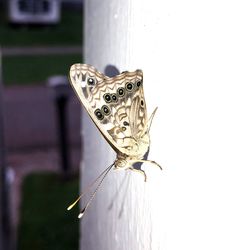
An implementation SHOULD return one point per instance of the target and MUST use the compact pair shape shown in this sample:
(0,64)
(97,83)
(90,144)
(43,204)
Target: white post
(195,58)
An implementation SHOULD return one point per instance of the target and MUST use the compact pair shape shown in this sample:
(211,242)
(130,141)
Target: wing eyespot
(138,83)
(129,86)
(142,103)
(91,81)
(99,115)
(125,123)
(106,110)
(107,98)
(114,98)
(121,92)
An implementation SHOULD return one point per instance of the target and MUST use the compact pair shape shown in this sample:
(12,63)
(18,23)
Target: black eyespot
(114,98)
(138,84)
(91,81)
(105,110)
(107,97)
(121,91)
(125,123)
(129,86)
(142,103)
(99,114)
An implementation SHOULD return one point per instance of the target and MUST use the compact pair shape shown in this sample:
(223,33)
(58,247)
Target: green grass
(21,70)
(67,32)
(44,222)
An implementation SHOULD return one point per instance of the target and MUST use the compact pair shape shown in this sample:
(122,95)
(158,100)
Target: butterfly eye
(99,114)
(114,98)
(129,86)
(105,110)
(121,91)
(107,98)
(138,84)
(91,81)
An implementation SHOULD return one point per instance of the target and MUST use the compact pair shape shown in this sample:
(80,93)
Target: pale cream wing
(116,105)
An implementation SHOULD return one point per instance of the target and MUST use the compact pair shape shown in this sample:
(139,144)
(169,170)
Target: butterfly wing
(116,105)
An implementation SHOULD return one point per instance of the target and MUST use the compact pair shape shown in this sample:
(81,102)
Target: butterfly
(117,107)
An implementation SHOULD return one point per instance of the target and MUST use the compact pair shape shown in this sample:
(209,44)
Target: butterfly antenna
(94,193)
(88,187)
(151,119)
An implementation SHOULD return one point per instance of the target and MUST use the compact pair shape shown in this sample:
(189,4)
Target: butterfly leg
(139,171)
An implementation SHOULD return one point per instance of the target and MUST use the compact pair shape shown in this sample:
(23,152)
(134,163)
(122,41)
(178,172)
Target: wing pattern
(116,105)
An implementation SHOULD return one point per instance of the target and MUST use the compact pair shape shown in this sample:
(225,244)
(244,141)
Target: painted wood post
(195,58)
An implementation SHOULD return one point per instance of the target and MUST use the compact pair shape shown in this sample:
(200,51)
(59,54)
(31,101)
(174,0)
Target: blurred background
(39,123)
(195,55)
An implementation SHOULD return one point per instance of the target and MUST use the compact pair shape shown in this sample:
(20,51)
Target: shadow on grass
(44,221)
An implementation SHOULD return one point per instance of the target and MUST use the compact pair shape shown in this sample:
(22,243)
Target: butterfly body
(118,109)
(138,149)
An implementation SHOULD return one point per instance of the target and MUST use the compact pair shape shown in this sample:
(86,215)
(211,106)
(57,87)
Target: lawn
(19,70)
(45,224)
(67,32)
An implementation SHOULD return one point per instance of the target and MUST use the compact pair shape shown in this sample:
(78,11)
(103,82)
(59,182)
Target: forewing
(116,105)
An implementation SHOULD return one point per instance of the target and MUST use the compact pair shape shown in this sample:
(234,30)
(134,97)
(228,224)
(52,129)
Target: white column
(195,58)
